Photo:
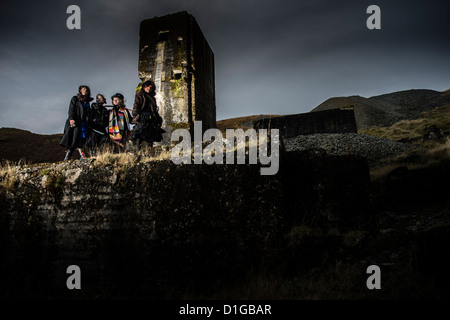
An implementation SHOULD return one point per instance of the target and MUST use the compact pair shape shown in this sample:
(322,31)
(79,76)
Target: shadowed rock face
(147,229)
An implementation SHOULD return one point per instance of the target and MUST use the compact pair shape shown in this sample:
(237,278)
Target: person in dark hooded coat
(98,124)
(76,127)
(146,116)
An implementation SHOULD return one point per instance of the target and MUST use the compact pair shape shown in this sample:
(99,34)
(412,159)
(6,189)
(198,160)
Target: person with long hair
(119,124)
(146,116)
(76,127)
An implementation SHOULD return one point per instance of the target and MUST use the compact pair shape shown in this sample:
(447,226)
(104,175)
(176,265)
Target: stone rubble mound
(370,147)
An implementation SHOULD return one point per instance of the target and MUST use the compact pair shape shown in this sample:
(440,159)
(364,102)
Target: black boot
(68,155)
(138,144)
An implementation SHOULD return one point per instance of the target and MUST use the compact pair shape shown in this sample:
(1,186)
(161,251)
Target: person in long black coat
(146,116)
(76,127)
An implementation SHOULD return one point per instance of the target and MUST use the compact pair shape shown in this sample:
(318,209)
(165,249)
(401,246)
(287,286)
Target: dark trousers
(138,144)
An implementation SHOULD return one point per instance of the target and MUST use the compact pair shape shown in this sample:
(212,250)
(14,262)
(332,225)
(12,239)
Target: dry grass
(165,155)
(9,174)
(115,159)
(238,148)
(107,156)
(439,117)
(54,181)
(427,155)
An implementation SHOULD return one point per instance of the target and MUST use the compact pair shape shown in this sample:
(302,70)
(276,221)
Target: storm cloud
(271,57)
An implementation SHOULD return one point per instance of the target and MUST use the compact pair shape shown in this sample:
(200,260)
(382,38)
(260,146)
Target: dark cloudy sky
(271,57)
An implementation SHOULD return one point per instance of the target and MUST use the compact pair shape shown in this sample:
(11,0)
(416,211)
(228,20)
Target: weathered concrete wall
(328,121)
(174,53)
(150,228)
(203,78)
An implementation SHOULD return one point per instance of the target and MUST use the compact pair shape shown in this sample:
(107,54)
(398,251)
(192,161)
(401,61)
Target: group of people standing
(93,125)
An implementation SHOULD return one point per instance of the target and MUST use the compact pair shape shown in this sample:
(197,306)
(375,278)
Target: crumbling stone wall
(328,121)
(146,229)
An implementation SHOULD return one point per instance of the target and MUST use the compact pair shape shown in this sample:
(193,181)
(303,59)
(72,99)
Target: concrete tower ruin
(174,54)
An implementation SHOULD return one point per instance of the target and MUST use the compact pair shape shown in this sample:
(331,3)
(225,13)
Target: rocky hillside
(370,147)
(387,109)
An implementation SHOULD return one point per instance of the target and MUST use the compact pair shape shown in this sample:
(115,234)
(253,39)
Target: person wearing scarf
(119,124)
(76,127)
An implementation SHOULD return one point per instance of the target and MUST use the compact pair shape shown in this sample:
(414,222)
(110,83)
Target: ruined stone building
(174,54)
(339,120)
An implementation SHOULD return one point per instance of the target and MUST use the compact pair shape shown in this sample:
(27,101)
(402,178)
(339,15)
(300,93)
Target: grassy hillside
(431,135)
(388,109)
(429,120)
(17,144)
